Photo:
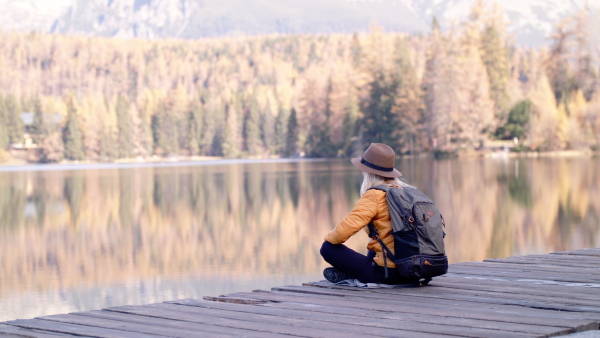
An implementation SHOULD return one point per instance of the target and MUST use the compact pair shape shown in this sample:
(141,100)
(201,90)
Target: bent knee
(327,248)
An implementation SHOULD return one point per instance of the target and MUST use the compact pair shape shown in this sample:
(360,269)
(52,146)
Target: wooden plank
(14,331)
(581,252)
(417,295)
(505,322)
(269,319)
(481,271)
(165,323)
(434,291)
(119,325)
(591,275)
(543,268)
(559,260)
(73,329)
(458,303)
(578,289)
(431,328)
(510,288)
(372,319)
(444,308)
(462,304)
(156,310)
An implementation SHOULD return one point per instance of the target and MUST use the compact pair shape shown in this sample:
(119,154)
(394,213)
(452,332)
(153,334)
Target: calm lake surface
(75,238)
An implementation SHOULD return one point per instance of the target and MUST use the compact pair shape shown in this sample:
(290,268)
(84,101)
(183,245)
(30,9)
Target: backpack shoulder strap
(382,187)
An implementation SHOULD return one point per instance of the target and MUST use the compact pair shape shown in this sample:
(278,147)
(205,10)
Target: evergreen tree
(72,139)
(230,143)
(144,135)
(518,121)
(15,123)
(40,128)
(157,122)
(291,141)
(379,123)
(108,145)
(252,130)
(4,138)
(319,138)
(267,128)
(125,138)
(349,125)
(170,135)
(194,124)
(281,130)
(356,51)
(164,131)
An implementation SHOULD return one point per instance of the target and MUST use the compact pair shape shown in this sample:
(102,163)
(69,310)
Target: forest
(446,92)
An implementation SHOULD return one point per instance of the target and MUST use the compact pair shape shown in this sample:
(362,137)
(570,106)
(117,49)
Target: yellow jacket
(371,207)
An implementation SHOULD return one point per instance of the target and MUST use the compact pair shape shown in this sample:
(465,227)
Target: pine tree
(109,148)
(517,123)
(125,138)
(157,122)
(252,130)
(144,140)
(281,130)
(229,143)
(72,139)
(379,123)
(267,128)
(319,141)
(164,131)
(356,51)
(4,138)
(291,141)
(349,124)
(40,128)
(194,124)
(15,124)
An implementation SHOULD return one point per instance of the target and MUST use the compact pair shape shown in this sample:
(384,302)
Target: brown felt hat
(378,159)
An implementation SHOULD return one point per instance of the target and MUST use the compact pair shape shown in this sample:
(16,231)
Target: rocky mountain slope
(531,20)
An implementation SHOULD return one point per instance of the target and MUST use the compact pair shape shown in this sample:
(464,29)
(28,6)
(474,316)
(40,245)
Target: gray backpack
(418,230)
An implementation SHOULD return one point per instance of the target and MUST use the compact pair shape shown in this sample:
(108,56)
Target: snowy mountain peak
(530,21)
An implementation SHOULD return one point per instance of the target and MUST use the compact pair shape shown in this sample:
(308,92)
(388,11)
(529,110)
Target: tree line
(102,99)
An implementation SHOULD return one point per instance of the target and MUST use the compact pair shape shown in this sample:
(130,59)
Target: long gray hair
(372,180)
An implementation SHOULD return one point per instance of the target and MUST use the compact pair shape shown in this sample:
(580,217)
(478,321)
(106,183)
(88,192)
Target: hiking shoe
(334,275)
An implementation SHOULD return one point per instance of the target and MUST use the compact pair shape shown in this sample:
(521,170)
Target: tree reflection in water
(68,230)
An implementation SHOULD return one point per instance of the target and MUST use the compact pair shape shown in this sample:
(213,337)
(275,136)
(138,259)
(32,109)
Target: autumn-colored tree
(445,91)
(494,54)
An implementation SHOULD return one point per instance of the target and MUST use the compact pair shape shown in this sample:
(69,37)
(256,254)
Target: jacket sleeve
(363,212)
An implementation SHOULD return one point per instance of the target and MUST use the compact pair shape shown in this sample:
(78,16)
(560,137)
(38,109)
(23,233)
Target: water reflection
(85,239)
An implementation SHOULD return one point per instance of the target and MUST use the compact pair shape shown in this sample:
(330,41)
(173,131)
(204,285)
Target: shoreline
(87,165)
(207,160)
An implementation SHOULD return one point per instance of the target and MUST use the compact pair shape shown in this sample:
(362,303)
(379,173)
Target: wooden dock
(526,296)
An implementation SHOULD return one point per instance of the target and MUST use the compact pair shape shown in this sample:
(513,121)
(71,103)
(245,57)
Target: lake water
(75,238)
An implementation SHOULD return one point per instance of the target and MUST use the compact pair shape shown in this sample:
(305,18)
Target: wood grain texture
(523,296)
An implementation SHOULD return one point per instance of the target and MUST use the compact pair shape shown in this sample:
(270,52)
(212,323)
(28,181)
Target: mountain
(531,21)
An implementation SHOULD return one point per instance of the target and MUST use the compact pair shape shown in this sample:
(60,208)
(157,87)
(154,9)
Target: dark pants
(358,266)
